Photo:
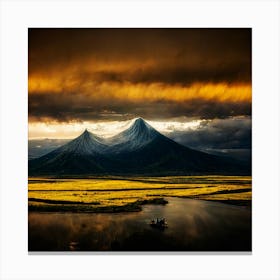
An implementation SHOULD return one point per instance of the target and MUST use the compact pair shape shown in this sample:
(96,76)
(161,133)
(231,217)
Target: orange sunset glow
(102,75)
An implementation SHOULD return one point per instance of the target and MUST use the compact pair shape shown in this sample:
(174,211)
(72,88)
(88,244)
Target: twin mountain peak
(138,150)
(139,134)
(139,126)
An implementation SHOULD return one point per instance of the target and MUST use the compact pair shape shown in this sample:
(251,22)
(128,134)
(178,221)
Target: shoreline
(86,207)
(124,194)
(127,208)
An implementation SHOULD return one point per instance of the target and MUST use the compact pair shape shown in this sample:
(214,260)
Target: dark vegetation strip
(230,191)
(159,181)
(237,202)
(82,208)
(50,201)
(201,196)
(130,207)
(47,181)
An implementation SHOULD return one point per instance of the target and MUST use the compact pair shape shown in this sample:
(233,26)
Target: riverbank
(58,206)
(113,195)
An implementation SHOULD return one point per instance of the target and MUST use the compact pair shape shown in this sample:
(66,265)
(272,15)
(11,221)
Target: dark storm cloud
(230,133)
(206,109)
(80,107)
(176,55)
(76,107)
(91,74)
(176,75)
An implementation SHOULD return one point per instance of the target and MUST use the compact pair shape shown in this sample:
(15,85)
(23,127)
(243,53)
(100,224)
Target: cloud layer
(93,74)
(230,133)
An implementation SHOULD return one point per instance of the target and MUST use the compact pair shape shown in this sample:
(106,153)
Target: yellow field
(104,193)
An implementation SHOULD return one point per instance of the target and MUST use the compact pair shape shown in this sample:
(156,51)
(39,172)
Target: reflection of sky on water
(193,226)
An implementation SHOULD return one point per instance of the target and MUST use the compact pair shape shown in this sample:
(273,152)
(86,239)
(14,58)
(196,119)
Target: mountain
(134,138)
(139,150)
(79,156)
(86,144)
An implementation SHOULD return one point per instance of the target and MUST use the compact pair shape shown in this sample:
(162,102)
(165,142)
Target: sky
(191,84)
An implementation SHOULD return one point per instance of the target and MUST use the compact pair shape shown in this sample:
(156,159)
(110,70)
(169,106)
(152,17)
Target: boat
(160,223)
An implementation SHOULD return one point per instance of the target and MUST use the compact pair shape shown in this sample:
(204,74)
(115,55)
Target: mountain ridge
(136,136)
(140,149)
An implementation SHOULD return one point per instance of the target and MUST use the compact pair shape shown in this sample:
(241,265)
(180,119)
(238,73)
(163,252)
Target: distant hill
(40,147)
(139,150)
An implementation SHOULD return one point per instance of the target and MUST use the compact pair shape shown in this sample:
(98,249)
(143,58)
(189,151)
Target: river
(193,225)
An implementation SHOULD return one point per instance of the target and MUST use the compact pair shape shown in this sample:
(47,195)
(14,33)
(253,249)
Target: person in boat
(160,222)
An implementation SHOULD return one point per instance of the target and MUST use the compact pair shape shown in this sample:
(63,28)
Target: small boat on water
(160,223)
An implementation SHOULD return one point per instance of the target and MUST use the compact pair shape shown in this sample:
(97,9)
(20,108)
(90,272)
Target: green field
(116,194)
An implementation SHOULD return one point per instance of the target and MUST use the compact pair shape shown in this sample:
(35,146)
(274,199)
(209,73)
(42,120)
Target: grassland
(116,194)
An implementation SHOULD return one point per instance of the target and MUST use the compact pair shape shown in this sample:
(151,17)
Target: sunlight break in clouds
(39,130)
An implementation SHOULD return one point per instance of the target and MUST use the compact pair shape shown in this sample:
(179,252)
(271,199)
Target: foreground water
(193,225)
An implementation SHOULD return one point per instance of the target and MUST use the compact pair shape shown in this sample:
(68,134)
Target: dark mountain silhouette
(139,150)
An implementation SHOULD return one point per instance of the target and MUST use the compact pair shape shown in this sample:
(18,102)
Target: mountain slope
(161,155)
(138,150)
(86,144)
(79,156)
(135,137)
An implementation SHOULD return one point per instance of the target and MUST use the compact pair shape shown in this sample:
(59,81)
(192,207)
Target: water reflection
(193,225)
